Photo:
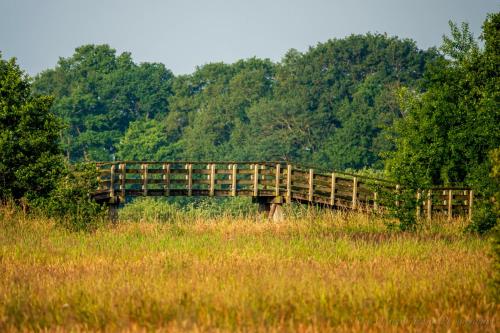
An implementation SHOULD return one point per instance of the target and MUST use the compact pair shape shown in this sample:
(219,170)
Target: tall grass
(148,209)
(316,271)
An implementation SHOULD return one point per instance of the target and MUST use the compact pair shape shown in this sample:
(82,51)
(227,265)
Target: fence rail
(271,180)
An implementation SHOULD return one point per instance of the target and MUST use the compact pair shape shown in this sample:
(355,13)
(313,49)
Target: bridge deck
(264,180)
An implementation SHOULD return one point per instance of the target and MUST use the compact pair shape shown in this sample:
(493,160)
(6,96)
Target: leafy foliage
(215,107)
(98,94)
(70,202)
(147,140)
(447,131)
(30,160)
(336,99)
(329,105)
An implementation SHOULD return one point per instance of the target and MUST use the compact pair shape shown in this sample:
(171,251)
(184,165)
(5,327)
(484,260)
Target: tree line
(421,117)
(329,106)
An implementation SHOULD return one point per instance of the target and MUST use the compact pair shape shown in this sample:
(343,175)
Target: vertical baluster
(233,179)
(419,195)
(112,182)
(166,179)
(311,184)
(256,180)
(262,176)
(333,189)
(144,168)
(397,195)
(429,205)
(189,168)
(99,185)
(450,204)
(289,183)
(212,179)
(471,197)
(230,178)
(355,193)
(277,180)
(123,180)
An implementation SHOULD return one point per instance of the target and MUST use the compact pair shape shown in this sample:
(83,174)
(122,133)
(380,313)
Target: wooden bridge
(268,183)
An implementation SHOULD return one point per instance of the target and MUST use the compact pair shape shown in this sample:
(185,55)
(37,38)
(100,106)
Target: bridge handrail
(268,179)
(296,166)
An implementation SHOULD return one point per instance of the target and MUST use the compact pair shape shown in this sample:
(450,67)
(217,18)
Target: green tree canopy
(30,160)
(331,104)
(448,131)
(98,93)
(147,140)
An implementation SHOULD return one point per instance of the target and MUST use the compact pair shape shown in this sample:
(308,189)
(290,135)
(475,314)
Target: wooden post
(230,177)
(212,179)
(332,194)
(277,185)
(166,179)
(311,184)
(419,195)
(255,180)
(397,195)
(289,183)
(233,180)
(263,175)
(112,181)
(429,205)
(355,193)
(144,179)
(471,197)
(123,177)
(99,187)
(450,204)
(189,168)
(113,212)
(375,201)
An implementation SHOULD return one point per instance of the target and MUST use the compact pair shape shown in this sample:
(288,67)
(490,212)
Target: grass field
(317,272)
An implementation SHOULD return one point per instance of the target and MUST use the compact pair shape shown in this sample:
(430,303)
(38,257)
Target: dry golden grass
(316,273)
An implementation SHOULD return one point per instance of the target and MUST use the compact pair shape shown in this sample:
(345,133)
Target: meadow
(316,271)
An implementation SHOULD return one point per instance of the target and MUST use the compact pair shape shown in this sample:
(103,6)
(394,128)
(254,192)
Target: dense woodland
(373,102)
(329,106)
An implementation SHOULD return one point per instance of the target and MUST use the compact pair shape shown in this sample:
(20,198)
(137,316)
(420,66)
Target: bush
(401,206)
(70,202)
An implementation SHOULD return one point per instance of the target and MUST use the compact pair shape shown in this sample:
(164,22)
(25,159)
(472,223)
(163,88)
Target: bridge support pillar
(112,206)
(113,213)
(271,206)
(276,213)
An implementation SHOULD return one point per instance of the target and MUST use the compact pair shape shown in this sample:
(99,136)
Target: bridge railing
(266,179)
(189,179)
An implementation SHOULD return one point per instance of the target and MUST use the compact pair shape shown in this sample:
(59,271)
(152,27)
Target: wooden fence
(267,180)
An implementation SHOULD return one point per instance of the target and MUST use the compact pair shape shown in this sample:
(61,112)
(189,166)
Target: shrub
(70,202)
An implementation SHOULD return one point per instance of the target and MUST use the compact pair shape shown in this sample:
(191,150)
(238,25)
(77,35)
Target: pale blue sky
(184,34)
